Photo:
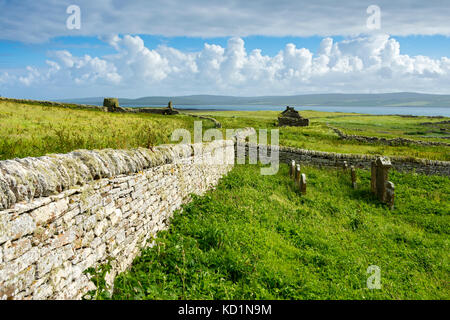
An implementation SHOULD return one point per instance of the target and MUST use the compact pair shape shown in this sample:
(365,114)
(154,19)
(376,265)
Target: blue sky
(139,48)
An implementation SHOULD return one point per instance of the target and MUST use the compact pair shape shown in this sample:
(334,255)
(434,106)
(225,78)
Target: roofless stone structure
(112,105)
(291,117)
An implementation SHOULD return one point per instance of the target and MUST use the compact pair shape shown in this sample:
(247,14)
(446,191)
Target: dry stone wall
(62,214)
(53,104)
(390,142)
(331,159)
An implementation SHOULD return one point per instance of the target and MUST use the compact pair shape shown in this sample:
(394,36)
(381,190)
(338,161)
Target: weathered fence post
(379,183)
(373,177)
(292,169)
(390,194)
(297,174)
(303,184)
(383,166)
(353,174)
(345,166)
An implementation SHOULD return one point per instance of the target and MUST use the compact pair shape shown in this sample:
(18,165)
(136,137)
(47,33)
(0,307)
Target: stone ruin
(170,109)
(112,105)
(291,117)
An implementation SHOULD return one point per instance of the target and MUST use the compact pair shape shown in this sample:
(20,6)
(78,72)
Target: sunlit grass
(319,136)
(256,237)
(33,130)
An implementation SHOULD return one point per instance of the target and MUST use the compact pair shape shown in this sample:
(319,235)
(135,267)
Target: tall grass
(33,130)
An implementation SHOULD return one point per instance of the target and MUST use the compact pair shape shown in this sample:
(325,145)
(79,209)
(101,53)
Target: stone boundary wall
(64,213)
(53,104)
(294,122)
(389,142)
(331,159)
(217,124)
(434,123)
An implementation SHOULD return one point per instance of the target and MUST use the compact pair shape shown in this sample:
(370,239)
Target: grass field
(33,130)
(319,136)
(256,237)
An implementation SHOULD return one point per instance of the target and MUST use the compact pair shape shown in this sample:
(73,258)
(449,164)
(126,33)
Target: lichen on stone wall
(28,178)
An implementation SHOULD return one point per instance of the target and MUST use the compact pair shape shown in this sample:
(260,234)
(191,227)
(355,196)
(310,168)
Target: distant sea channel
(383,110)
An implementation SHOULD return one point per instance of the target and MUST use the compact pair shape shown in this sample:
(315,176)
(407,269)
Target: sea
(384,110)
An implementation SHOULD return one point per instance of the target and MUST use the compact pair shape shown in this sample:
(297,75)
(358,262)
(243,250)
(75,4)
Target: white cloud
(138,63)
(31,76)
(360,64)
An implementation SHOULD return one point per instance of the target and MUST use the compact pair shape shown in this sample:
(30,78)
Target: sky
(56,49)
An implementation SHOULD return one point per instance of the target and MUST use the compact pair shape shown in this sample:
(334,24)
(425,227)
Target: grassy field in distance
(320,136)
(33,130)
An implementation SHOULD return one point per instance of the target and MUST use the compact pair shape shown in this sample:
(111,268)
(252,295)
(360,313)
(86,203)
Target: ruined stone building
(291,117)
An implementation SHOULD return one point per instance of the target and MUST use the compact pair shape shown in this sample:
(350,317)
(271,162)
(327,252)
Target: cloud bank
(360,64)
(38,21)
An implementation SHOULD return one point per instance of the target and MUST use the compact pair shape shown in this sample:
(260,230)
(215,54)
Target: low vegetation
(256,237)
(320,136)
(33,130)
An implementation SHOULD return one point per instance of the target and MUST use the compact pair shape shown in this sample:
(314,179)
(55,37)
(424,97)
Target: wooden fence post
(297,174)
(353,174)
(345,166)
(292,169)
(390,194)
(373,177)
(303,184)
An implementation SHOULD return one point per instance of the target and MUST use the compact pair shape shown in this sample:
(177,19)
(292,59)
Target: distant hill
(332,99)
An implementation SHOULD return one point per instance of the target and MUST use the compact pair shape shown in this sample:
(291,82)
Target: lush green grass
(33,130)
(319,135)
(392,127)
(256,237)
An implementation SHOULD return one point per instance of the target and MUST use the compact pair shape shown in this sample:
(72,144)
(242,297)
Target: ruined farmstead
(112,105)
(291,117)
